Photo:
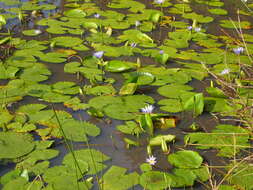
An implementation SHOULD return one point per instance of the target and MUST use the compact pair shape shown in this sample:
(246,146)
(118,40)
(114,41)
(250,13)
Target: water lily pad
(185,159)
(78,130)
(67,41)
(64,177)
(235,24)
(116,179)
(242,176)
(218,11)
(171,105)
(175,90)
(228,139)
(92,157)
(122,108)
(199,18)
(155,180)
(14,145)
(76,13)
(32,32)
(54,57)
(119,66)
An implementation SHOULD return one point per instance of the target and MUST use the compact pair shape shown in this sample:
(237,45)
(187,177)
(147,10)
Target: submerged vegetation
(126,94)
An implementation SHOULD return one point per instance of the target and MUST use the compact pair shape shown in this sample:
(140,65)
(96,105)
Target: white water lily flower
(159,1)
(148,109)
(137,23)
(225,71)
(151,160)
(198,29)
(37,31)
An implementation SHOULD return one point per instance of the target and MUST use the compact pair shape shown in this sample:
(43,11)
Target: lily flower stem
(240,67)
(102,72)
(101,31)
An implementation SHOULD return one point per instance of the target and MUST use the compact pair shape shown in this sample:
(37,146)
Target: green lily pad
(100,90)
(175,90)
(235,24)
(121,108)
(8,72)
(86,157)
(199,18)
(185,159)
(242,176)
(119,66)
(76,13)
(78,130)
(155,180)
(116,179)
(67,41)
(14,145)
(218,11)
(228,139)
(32,32)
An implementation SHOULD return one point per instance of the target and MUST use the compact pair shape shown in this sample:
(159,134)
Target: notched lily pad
(14,145)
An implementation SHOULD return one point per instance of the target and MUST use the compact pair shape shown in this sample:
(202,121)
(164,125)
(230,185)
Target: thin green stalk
(68,145)
(92,159)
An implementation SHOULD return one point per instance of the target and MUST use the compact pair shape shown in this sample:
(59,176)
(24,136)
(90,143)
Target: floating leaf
(228,139)
(128,89)
(76,13)
(242,176)
(119,66)
(195,103)
(218,11)
(89,160)
(235,24)
(78,130)
(116,179)
(66,41)
(185,159)
(155,180)
(14,145)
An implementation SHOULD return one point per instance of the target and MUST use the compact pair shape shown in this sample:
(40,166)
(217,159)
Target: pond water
(92,91)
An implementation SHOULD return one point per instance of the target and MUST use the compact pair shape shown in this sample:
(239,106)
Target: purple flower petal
(98,54)
(96,15)
(238,50)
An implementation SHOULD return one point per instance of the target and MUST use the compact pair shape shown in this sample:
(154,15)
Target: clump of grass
(232,84)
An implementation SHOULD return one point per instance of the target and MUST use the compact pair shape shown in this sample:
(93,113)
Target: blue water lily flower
(133,45)
(189,28)
(96,15)
(98,54)
(161,52)
(238,50)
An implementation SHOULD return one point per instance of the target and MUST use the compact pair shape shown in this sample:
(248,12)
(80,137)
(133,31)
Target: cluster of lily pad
(98,48)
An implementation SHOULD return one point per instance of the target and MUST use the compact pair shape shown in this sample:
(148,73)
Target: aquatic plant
(147,109)
(151,160)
